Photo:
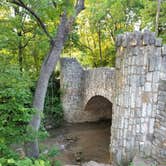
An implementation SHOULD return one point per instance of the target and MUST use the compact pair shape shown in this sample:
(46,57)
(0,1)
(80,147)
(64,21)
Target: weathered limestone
(140,66)
(159,136)
(81,86)
(137,90)
(71,81)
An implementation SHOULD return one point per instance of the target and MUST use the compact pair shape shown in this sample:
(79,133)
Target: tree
(15,105)
(157,16)
(93,39)
(19,38)
(153,17)
(56,45)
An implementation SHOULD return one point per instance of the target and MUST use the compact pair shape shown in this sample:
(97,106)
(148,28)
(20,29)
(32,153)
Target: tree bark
(20,56)
(99,42)
(32,149)
(157,17)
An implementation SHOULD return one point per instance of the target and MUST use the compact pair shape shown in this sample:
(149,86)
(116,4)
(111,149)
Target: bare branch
(39,21)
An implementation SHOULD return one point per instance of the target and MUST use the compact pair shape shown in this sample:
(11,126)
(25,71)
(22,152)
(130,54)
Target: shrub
(23,162)
(15,105)
(53,111)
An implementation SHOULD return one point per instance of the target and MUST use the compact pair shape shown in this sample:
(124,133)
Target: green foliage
(15,105)
(131,164)
(43,160)
(23,162)
(93,39)
(53,151)
(57,163)
(53,112)
(99,23)
(148,17)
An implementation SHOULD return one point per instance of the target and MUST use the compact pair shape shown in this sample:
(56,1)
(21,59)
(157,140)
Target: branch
(79,6)
(85,46)
(28,40)
(64,28)
(39,21)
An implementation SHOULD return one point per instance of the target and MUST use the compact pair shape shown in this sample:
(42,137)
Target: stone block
(158,42)
(163,50)
(148,87)
(151,125)
(153,63)
(156,76)
(144,128)
(146,36)
(125,40)
(132,40)
(149,77)
(162,85)
(119,40)
(144,105)
(152,38)
(149,109)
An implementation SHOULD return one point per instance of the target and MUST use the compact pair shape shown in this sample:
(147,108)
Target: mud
(80,143)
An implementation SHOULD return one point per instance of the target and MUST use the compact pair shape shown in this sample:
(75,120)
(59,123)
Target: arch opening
(100,108)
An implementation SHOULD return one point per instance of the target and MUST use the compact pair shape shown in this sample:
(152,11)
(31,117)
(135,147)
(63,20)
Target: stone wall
(137,90)
(79,86)
(159,137)
(138,73)
(71,81)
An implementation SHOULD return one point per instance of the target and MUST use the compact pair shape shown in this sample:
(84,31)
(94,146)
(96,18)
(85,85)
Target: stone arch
(99,107)
(108,95)
(99,82)
(99,101)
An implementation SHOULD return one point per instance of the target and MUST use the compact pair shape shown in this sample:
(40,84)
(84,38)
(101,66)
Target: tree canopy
(92,38)
(35,33)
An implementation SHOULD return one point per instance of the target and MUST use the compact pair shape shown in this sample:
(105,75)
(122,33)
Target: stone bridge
(85,89)
(132,95)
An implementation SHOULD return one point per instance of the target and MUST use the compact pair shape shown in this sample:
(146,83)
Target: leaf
(11,161)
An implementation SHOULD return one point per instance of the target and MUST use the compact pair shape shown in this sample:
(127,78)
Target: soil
(81,142)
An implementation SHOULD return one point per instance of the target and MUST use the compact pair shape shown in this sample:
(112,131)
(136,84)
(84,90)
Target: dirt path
(85,142)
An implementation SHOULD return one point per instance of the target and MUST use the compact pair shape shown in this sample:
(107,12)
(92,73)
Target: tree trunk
(99,42)
(47,68)
(32,149)
(39,97)
(157,17)
(20,55)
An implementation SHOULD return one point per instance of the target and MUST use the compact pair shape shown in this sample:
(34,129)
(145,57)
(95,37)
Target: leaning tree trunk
(32,149)
(157,17)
